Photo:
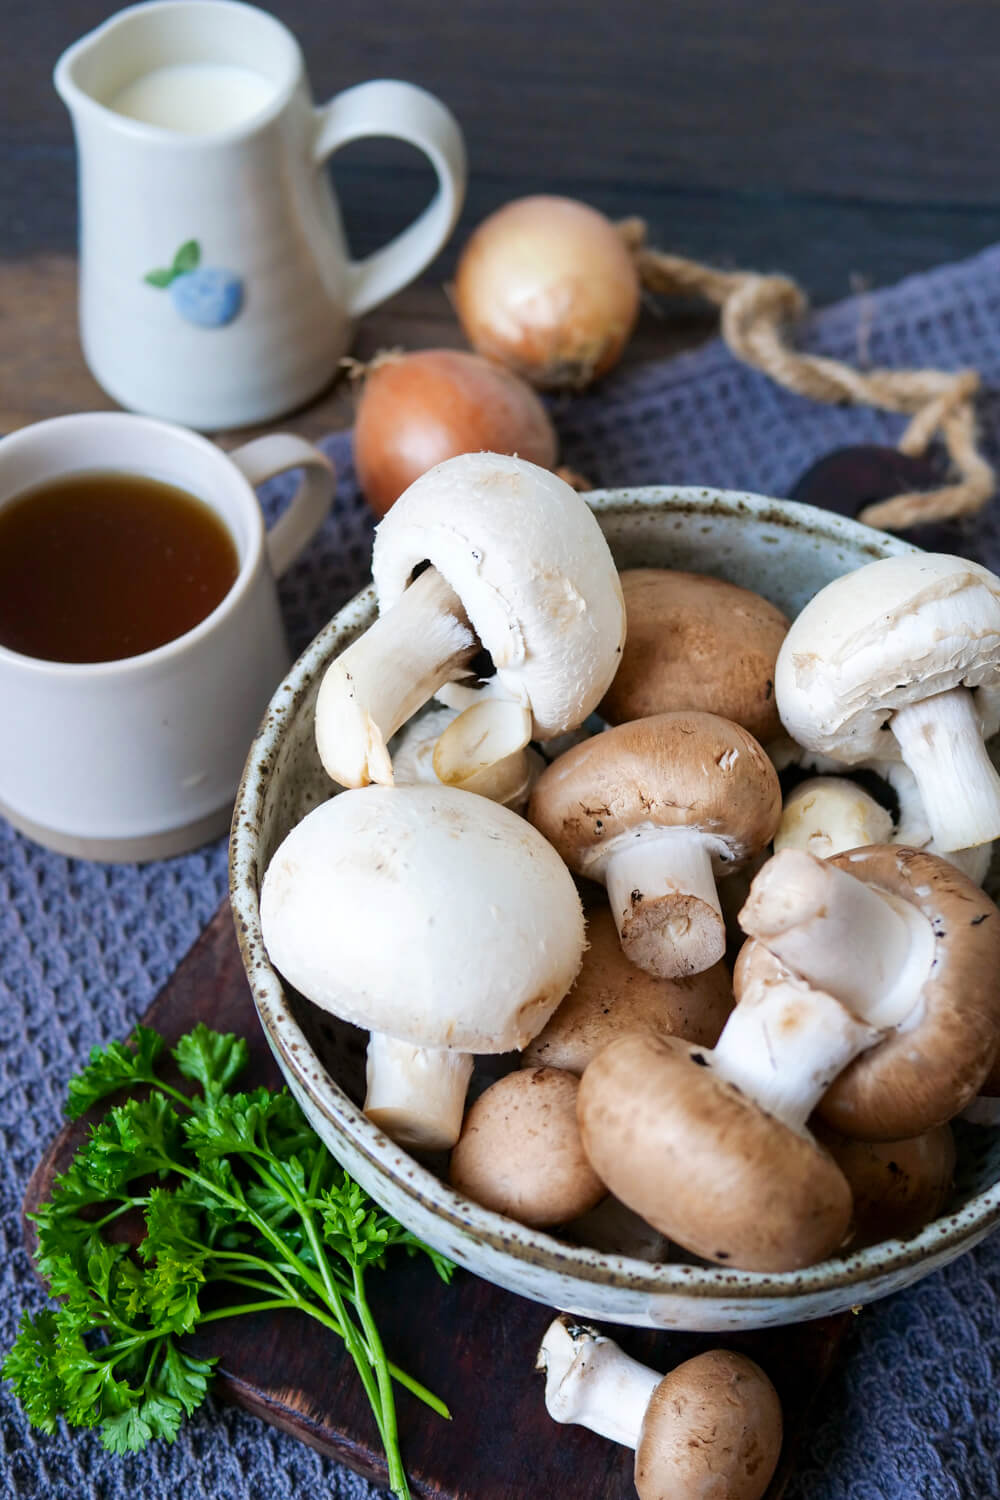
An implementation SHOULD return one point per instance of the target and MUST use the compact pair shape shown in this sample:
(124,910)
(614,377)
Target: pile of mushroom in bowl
(625,1143)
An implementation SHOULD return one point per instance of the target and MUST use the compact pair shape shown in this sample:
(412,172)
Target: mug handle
(388,107)
(267,457)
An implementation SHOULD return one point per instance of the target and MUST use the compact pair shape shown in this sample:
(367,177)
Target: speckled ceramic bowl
(786,552)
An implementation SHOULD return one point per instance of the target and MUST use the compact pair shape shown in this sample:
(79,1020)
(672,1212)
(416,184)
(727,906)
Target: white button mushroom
(880,664)
(710,1428)
(656,810)
(416,752)
(912,947)
(825,825)
(518,567)
(828,814)
(437,919)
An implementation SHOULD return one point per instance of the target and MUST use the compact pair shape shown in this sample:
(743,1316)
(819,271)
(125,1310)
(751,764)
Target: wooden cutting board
(471,1343)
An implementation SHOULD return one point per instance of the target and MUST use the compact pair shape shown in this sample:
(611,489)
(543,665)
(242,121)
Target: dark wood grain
(855,138)
(472,1343)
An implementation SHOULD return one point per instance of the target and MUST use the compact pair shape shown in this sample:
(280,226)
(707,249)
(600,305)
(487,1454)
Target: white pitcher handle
(267,457)
(387,107)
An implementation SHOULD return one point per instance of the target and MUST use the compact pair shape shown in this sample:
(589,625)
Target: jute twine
(757,313)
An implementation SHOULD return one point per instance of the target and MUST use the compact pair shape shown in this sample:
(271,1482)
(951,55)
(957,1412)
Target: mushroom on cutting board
(482,554)
(882,663)
(696,642)
(440,921)
(612,995)
(826,822)
(709,1430)
(711,1146)
(415,747)
(520,1153)
(656,810)
(897,1186)
(912,947)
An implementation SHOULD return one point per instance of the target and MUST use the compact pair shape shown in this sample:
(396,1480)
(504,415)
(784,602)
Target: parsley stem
(221,1313)
(391,1435)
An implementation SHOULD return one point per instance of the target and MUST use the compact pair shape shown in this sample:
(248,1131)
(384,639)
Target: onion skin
(418,409)
(548,287)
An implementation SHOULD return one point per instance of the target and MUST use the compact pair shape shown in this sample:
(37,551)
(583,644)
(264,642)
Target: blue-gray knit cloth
(914,1412)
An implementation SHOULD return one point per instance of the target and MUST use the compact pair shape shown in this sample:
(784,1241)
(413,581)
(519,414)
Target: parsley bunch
(244,1197)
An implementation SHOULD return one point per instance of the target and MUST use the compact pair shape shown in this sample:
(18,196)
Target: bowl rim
(940,1240)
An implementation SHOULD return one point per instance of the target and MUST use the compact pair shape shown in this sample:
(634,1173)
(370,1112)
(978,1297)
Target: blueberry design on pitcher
(209,296)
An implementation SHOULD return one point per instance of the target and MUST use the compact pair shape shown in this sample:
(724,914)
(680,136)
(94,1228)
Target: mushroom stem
(416,1094)
(372,688)
(590,1381)
(828,814)
(984,1110)
(783,1046)
(662,892)
(483,750)
(867,947)
(941,740)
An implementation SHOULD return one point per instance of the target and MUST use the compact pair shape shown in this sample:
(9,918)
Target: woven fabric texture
(913,1410)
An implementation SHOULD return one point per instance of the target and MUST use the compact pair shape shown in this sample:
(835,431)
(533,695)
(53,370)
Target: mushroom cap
(929,1068)
(891,633)
(897,1186)
(697,642)
(911,826)
(520,1152)
(676,770)
(529,562)
(712,1431)
(701,1163)
(428,913)
(827,814)
(612,995)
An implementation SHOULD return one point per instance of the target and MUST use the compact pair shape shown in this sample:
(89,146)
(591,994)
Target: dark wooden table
(845,144)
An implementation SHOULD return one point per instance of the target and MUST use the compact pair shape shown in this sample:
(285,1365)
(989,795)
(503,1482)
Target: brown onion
(548,287)
(418,409)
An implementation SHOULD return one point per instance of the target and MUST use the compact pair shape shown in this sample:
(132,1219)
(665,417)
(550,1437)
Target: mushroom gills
(370,690)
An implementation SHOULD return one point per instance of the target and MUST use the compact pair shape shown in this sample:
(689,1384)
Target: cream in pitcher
(216,288)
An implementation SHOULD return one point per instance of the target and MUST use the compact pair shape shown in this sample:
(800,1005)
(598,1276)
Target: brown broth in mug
(102,565)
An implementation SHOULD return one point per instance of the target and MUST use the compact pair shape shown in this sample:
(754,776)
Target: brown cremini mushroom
(655,810)
(897,1186)
(910,946)
(725,1169)
(709,1430)
(612,995)
(520,1152)
(697,642)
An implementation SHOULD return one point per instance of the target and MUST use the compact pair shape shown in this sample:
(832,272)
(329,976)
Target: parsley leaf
(114,1067)
(244,1209)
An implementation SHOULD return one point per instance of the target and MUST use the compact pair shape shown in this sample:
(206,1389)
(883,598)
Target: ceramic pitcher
(216,288)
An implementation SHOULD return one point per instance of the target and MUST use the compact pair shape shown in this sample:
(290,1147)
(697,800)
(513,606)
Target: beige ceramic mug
(140,758)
